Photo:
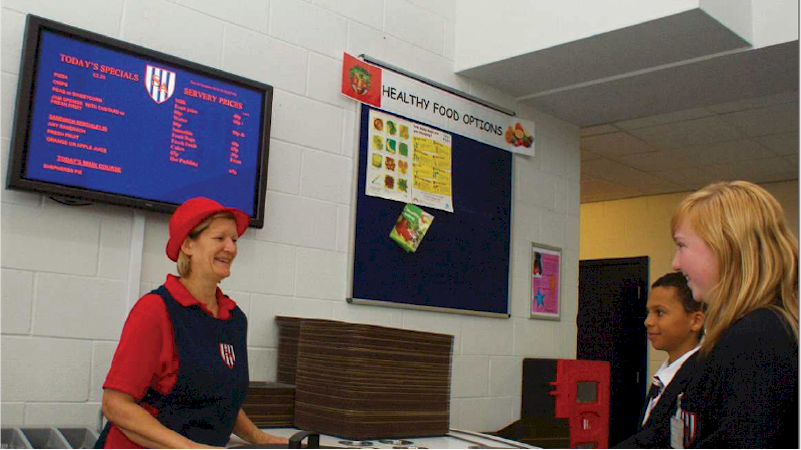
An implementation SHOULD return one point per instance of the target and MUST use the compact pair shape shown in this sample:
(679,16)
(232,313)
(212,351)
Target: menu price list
(75,133)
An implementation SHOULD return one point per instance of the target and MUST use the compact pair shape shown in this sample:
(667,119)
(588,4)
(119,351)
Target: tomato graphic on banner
(361,81)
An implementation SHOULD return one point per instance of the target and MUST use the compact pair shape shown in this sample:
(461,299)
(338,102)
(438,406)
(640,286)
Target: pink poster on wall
(546,263)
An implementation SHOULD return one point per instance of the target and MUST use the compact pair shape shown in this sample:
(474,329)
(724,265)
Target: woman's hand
(264,438)
(138,425)
(248,431)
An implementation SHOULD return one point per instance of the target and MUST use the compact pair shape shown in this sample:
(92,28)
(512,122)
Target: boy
(675,324)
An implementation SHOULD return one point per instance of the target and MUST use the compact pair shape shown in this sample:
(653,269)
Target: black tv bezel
(22,118)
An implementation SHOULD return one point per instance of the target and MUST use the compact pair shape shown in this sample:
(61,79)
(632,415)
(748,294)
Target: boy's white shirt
(665,374)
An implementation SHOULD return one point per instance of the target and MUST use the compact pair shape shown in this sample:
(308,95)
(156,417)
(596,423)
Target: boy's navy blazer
(655,433)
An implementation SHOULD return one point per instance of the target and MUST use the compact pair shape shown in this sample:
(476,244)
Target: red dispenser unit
(582,397)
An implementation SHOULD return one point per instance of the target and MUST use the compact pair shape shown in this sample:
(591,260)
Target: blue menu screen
(114,122)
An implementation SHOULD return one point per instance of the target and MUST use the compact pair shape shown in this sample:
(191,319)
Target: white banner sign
(419,101)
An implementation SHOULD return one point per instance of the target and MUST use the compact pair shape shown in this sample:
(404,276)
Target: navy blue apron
(212,374)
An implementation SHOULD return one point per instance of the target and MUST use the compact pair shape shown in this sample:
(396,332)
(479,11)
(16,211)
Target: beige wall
(641,227)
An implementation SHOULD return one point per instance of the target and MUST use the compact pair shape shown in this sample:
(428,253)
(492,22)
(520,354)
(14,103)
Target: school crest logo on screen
(159,83)
(227,354)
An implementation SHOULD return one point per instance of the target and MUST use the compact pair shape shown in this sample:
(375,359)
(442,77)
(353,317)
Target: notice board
(462,263)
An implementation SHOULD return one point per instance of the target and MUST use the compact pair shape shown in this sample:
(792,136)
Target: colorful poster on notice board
(408,162)
(545,282)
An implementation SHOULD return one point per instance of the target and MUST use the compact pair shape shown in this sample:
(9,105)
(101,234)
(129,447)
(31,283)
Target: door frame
(640,266)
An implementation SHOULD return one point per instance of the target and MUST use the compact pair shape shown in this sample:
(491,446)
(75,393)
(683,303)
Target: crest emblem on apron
(227,354)
(159,83)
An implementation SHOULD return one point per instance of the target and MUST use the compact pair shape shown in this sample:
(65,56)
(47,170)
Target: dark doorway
(611,311)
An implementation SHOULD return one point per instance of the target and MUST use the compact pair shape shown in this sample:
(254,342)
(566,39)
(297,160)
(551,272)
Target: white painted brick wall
(283,172)
(497,414)
(262,58)
(38,369)
(343,228)
(99,16)
(13,24)
(157,25)
(486,336)
(263,267)
(115,245)
(155,264)
(443,8)
(325,79)
(326,177)
(17,295)
(380,45)
(246,13)
(102,354)
(367,12)
(374,315)
(307,122)
(308,26)
(321,274)
(13,414)
(349,135)
(470,377)
(435,322)
(262,363)
(16,197)
(434,66)
(8,89)
(52,239)
(415,25)
(64,270)
(299,221)
(505,378)
(78,307)
(63,415)
(263,331)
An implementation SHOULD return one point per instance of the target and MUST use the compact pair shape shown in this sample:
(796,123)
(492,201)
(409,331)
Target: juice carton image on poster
(410,228)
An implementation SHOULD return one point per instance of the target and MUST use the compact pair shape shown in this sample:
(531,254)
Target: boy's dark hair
(679,281)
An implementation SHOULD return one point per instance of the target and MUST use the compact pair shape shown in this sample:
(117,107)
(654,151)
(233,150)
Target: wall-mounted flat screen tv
(98,119)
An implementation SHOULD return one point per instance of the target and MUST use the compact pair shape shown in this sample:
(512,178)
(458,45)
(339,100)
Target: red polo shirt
(146,355)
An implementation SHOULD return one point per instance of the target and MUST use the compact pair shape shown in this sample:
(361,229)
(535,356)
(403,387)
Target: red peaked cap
(191,213)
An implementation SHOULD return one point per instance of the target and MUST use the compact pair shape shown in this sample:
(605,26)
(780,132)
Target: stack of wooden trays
(289,332)
(370,382)
(270,405)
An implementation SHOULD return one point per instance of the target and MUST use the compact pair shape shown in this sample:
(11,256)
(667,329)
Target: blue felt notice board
(462,263)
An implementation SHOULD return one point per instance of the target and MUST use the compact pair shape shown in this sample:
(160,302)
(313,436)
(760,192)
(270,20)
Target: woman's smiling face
(213,252)
(695,259)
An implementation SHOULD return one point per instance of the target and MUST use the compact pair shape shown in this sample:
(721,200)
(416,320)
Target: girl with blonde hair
(742,261)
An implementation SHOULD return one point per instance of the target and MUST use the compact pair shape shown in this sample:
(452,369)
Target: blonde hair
(183,261)
(757,254)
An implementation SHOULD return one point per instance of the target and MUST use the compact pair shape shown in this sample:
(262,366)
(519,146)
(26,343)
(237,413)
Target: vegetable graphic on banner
(361,81)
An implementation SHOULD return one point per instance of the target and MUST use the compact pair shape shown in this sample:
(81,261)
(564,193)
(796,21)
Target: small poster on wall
(546,263)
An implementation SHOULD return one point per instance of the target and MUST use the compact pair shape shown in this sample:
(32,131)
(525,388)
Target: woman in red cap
(180,372)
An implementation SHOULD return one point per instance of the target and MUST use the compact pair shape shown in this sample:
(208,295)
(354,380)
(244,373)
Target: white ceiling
(754,139)
(666,106)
